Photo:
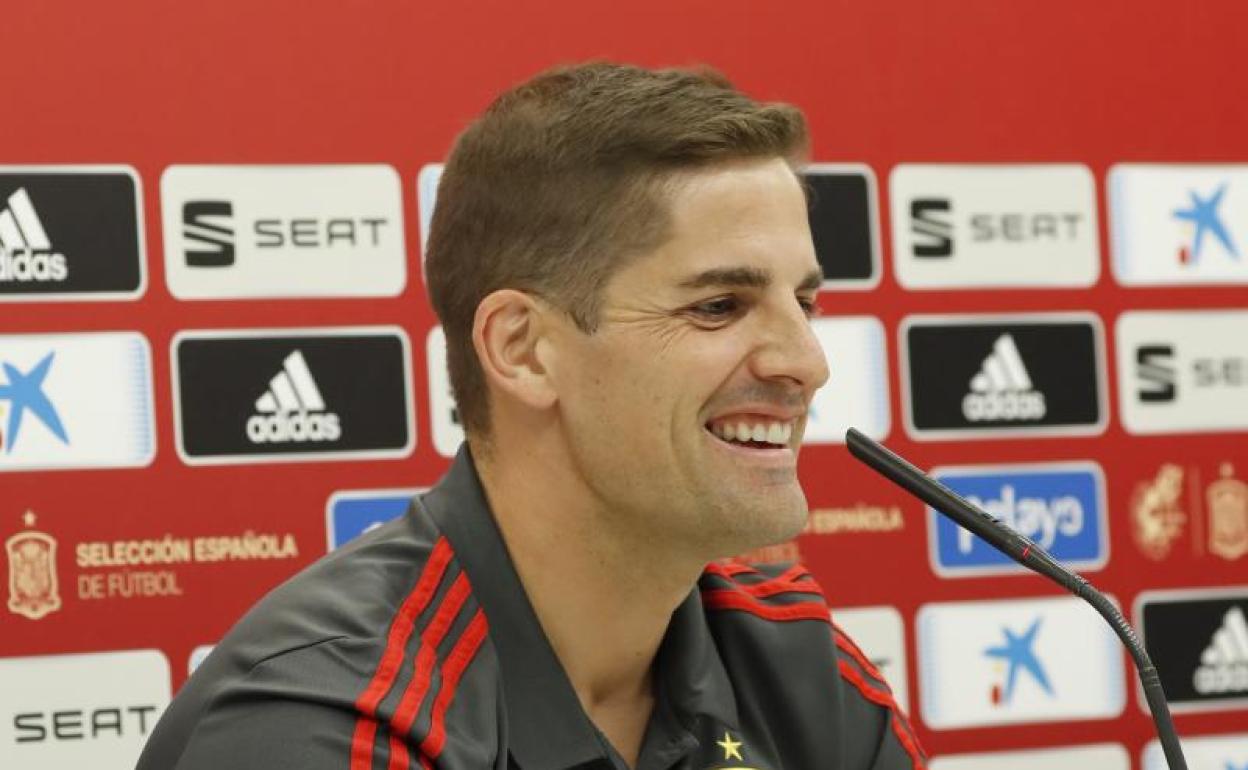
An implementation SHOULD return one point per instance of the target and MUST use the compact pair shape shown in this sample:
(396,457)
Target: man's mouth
(756,433)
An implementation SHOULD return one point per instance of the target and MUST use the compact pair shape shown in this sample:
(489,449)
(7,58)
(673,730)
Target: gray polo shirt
(415,646)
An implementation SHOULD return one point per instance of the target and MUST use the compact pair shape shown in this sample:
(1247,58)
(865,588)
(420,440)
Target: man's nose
(792,351)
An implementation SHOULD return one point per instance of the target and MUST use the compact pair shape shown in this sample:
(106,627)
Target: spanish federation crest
(1228,515)
(32,572)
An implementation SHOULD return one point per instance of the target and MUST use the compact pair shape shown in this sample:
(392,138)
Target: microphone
(1022,550)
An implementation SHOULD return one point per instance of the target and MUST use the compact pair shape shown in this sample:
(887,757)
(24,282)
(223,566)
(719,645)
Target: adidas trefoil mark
(1224,663)
(292,409)
(25,251)
(1002,389)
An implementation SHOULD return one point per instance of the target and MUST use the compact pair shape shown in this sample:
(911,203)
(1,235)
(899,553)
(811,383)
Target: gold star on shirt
(732,749)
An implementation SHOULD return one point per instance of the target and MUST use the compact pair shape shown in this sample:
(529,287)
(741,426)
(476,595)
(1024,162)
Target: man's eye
(809,306)
(718,308)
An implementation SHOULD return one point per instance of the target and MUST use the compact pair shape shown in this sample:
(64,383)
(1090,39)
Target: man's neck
(604,599)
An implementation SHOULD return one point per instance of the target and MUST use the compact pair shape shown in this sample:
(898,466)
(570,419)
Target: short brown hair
(559,182)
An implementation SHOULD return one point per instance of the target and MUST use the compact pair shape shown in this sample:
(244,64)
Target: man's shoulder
(313,651)
(786,655)
(353,592)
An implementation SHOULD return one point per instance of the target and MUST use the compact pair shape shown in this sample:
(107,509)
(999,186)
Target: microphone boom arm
(1024,551)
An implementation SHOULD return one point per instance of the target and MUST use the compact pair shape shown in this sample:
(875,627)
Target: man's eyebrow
(813,280)
(749,277)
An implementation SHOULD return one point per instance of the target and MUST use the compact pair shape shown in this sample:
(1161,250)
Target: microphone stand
(1022,550)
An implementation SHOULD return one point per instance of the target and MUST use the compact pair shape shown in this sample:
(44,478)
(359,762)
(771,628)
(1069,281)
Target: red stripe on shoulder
(901,726)
(854,651)
(430,638)
(452,669)
(747,593)
(729,599)
(401,628)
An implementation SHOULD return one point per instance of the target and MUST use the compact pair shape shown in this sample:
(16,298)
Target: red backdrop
(152,84)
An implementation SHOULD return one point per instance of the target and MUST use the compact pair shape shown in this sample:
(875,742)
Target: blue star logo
(1203,213)
(1019,653)
(24,392)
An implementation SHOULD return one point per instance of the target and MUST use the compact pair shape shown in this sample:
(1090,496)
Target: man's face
(685,409)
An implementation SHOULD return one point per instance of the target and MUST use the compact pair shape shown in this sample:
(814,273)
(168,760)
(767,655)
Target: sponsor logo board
(292,394)
(283,231)
(1206,752)
(75,401)
(844,224)
(1183,371)
(351,513)
(1178,224)
(988,663)
(1176,503)
(1198,639)
(857,393)
(1002,376)
(1101,756)
(1061,506)
(85,710)
(71,232)
(974,226)
(880,633)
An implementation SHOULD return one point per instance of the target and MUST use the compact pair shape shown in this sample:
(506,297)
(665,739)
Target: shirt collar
(547,728)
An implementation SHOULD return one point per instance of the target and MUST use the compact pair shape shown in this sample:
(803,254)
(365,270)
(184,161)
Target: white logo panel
(1213,752)
(881,634)
(1179,224)
(1182,371)
(76,401)
(1102,756)
(89,710)
(1017,661)
(1009,226)
(448,432)
(426,196)
(856,394)
(283,231)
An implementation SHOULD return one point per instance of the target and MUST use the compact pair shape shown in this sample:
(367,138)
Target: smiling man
(623,266)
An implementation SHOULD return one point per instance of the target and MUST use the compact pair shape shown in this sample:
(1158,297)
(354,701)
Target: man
(623,266)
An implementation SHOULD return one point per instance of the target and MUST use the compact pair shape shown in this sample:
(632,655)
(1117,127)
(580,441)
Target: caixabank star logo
(33,585)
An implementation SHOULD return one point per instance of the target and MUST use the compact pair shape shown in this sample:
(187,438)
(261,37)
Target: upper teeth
(770,432)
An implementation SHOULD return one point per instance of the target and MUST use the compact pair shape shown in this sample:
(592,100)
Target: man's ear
(508,333)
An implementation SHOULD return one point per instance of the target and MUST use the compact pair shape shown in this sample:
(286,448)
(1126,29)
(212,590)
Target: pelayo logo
(1061,506)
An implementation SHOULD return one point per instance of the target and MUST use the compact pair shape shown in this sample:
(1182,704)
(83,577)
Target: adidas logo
(1224,663)
(25,251)
(1002,390)
(292,409)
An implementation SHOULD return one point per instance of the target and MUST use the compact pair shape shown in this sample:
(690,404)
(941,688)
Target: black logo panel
(69,232)
(334,394)
(1016,376)
(842,223)
(1200,648)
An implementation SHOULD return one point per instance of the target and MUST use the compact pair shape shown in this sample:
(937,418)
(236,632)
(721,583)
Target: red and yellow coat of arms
(33,588)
